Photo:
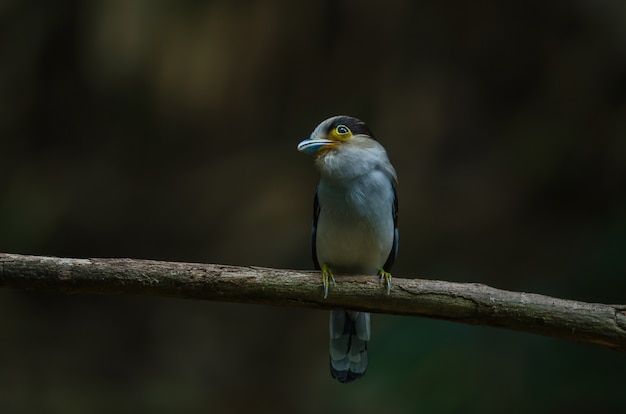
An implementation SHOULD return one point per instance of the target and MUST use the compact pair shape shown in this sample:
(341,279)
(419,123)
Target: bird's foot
(326,275)
(387,276)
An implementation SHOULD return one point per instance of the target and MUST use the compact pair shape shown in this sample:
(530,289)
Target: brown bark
(459,302)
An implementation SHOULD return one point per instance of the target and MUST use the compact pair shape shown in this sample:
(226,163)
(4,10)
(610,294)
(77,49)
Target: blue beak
(310,146)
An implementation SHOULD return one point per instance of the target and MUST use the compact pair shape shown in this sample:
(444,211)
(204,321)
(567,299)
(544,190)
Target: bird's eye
(342,129)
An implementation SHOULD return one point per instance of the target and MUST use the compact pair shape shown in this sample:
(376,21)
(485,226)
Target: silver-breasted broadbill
(355,226)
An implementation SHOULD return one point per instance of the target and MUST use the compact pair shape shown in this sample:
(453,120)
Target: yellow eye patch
(341,133)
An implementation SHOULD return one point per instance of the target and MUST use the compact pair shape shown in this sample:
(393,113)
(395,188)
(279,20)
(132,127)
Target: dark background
(167,130)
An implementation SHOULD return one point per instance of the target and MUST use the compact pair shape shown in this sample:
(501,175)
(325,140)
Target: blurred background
(168,130)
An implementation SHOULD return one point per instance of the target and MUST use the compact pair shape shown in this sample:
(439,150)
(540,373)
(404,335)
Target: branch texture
(459,302)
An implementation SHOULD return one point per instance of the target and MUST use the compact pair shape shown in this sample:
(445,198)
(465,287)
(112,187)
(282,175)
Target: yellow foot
(326,275)
(387,276)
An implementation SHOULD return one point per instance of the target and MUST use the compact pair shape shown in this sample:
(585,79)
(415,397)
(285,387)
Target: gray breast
(355,226)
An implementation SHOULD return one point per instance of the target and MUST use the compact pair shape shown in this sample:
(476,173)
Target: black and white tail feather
(349,333)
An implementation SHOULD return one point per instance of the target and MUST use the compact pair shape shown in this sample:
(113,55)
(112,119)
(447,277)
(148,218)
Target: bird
(355,226)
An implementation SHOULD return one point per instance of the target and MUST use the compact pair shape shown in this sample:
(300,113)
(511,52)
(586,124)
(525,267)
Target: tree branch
(459,302)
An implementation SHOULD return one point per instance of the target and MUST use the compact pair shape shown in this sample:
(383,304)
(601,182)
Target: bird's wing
(316,214)
(394,247)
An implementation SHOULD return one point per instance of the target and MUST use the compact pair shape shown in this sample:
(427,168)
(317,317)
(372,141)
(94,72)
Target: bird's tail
(349,333)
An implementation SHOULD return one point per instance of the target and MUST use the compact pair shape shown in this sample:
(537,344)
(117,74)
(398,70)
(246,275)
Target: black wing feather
(316,215)
(394,247)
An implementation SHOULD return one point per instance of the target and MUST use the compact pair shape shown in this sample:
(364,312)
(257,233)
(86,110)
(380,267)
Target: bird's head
(345,148)
(334,133)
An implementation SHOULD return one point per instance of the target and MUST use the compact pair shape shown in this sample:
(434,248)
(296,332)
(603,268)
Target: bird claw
(326,275)
(387,276)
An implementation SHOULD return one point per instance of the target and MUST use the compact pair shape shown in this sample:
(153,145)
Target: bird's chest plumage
(355,226)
